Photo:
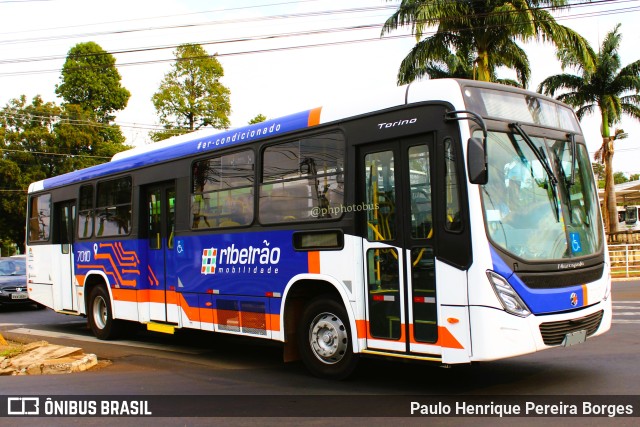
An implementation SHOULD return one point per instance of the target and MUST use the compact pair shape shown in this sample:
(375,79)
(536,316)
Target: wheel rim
(328,338)
(100,314)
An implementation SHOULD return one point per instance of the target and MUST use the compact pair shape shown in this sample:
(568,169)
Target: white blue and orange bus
(449,221)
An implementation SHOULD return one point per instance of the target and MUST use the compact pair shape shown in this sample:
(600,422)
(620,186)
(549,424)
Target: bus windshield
(540,206)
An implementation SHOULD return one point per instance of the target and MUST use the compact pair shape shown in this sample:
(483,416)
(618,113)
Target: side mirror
(477,161)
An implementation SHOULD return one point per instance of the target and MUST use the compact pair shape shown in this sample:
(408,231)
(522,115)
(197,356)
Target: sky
(279,56)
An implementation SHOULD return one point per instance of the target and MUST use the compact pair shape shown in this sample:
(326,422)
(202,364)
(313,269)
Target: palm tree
(458,65)
(487,29)
(609,88)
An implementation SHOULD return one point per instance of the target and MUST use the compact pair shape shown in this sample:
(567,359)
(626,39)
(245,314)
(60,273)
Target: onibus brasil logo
(238,260)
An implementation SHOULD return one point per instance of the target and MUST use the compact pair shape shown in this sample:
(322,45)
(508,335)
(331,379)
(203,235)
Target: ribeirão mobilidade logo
(236,260)
(209,257)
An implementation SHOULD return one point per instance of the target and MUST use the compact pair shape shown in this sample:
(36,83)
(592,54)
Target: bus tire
(100,316)
(324,339)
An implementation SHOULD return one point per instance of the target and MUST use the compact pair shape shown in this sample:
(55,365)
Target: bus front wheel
(324,338)
(100,316)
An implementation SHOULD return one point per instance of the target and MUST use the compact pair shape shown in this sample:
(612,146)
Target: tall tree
(610,88)
(26,131)
(39,140)
(258,119)
(489,30)
(191,95)
(459,65)
(91,80)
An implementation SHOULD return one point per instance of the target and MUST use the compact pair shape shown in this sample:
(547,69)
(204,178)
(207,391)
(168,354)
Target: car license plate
(574,338)
(19,295)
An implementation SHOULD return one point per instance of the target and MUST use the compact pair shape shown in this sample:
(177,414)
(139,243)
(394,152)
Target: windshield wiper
(543,161)
(572,177)
(539,156)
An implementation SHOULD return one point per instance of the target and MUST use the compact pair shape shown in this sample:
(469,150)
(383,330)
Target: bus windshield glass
(520,108)
(527,213)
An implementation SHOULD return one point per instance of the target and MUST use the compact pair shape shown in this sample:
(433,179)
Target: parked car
(13,281)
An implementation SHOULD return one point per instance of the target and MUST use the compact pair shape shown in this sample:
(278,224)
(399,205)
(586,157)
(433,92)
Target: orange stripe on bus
(446,339)
(314,262)
(274,322)
(206,315)
(314,117)
(362,326)
(128,295)
(80,278)
(194,314)
(585,296)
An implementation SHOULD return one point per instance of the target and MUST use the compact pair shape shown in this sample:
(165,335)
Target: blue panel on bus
(198,145)
(251,264)
(540,301)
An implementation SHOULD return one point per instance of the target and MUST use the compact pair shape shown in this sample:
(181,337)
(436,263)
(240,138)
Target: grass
(10,350)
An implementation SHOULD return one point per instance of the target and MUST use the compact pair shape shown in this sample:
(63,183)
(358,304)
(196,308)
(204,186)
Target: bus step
(71,312)
(161,327)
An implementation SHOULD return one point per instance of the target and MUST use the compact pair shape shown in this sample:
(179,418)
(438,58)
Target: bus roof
(203,141)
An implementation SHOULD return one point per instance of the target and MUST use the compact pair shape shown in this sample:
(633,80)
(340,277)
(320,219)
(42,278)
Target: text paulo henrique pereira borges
(528,408)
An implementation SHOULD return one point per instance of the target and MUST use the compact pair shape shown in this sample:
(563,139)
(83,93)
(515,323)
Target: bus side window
(39,218)
(85,214)
(222,191)
(453,221)
(113,207)
(302,180)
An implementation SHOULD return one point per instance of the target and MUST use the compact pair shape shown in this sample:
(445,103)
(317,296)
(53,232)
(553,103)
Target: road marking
(623,310)
(128,343)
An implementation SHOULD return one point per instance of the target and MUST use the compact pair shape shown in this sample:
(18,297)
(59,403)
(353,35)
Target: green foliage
(598,169)
(91,80)
(478,37)
(191,95)
(257,119)
(607,87)
(39,140)
(620,178)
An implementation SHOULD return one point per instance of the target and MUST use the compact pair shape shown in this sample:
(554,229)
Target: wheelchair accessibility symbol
(576,246)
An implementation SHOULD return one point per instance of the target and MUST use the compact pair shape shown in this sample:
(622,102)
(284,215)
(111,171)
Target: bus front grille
(553,333)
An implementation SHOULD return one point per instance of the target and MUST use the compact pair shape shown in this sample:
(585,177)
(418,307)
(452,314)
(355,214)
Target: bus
(628,218)
(449,221)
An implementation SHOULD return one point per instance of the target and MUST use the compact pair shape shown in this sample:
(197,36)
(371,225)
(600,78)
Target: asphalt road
(201,364)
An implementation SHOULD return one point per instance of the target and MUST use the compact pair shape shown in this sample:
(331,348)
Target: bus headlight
(508,297)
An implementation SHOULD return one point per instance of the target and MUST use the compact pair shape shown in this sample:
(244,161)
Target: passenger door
(159,210)
(62,264)
(396,179)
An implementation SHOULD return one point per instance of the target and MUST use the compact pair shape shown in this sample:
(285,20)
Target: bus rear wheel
(324,338)
(100,316)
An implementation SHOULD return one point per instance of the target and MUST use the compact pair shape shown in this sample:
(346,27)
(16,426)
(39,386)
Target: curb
(42,358)
(66,365)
